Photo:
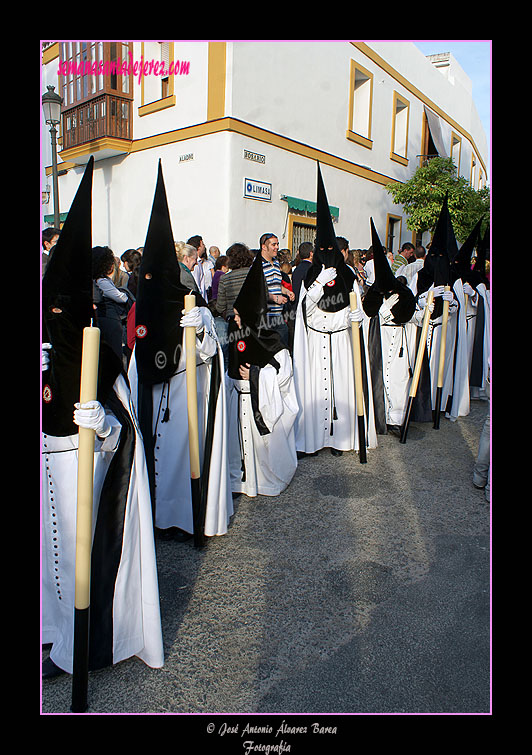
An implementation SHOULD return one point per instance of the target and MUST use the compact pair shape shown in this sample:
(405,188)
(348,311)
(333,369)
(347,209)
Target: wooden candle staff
(359,391)
(441,364)
(193,428)
(417,367)
(88,392)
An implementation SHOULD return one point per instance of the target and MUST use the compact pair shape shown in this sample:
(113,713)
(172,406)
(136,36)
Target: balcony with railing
(96,116)
(104,116)
(101,123)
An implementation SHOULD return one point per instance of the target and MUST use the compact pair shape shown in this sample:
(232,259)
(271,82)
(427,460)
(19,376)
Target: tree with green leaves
(422,198)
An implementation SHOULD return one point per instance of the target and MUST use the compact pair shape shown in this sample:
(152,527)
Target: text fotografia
(250,745)
(124,68)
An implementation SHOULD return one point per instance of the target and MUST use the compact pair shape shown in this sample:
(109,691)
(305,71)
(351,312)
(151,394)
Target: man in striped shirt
(278,295)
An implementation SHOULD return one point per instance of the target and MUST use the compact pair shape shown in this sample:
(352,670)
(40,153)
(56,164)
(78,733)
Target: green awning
(50,218)
(295,203)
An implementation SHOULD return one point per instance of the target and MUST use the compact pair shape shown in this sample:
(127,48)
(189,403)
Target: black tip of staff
(80,670)
(406,422)
(198,521)
(362,440)
(436,425)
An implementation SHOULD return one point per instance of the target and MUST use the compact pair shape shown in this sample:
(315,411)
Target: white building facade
(239,128)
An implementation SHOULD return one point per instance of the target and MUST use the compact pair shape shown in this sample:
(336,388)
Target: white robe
(323,371)
(269,461)
(481,391)
(136,613)
(398,348)
(173,495)
(410,270)
(433,350)
(460,373)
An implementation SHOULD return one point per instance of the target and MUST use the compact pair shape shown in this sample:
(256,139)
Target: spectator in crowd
(239,260)
(221,268)
(187,256)
(204,269)
(278,295)
(111,302)
(404,256)
(49,240)
(305,253)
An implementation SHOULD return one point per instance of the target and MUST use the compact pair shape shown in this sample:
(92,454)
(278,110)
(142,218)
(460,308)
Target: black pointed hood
(66,309)
(160,297)
(461,265)
(483,255)
(327,252)
(254,343)
(385,284)
(442,251)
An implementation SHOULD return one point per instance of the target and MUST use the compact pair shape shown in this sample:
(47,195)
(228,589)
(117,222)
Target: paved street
(363,588)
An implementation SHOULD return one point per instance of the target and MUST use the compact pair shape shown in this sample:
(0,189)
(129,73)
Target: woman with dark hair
(239,260)
(109,301)
(132,259)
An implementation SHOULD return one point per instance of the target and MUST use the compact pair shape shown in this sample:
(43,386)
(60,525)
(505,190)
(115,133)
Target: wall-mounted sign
(257,190)
(186,158)
(254,156)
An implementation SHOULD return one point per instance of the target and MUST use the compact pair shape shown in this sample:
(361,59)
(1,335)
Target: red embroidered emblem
(241,346)
(47,394)
(141,331)
(330,283)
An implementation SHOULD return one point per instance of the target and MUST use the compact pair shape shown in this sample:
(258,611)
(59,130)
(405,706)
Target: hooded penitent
(327,252)
(253,343)
(479,268)
(66,310)
(461,265)
(160,297)
(159,335)
(442,251)
(386,284)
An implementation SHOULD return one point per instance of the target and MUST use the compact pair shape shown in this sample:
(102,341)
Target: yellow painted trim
(171,78)
(398,158)
(51,53)
(163,102)
(153,107)
(459,139)
(216,80)
(390,216)
(97,145)
(362,140)
(60,167)
(366,141)
(372,55)
(395,155)
(259,134)
(303,220)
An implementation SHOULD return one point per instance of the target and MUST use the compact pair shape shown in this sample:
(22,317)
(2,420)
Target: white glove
(385,310)
(194,319)
(447,296)
(91,416)
(468,289)
(438,290)
(327,275)
(356,315)
(45,357)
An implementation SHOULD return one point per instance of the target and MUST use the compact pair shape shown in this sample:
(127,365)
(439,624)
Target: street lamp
(51,105)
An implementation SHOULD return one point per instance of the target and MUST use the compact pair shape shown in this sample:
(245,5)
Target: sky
(474,56)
